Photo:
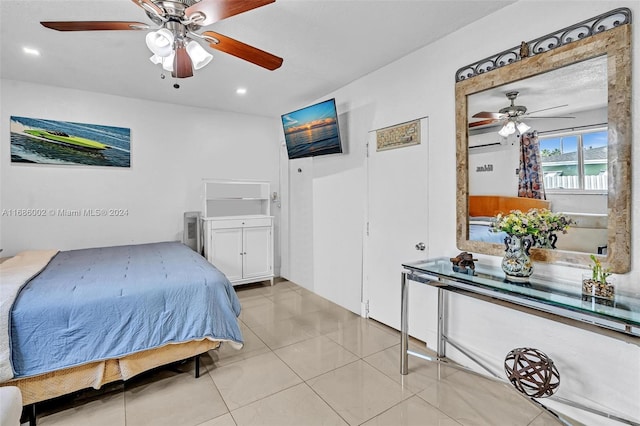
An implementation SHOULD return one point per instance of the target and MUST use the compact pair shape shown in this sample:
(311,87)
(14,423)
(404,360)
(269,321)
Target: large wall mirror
(576,99)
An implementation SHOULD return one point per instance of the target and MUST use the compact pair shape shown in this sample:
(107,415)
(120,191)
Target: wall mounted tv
(312,130)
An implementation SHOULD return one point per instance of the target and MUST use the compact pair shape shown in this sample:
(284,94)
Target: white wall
(502,179)
(172,149)
(330,235)
(595,369)
(300,209)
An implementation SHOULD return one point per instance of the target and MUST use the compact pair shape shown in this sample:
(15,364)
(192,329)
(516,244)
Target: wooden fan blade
(217,10)
(150,6)
(482,123)
(486,114)
(244,51)
(94,25)
(182,65)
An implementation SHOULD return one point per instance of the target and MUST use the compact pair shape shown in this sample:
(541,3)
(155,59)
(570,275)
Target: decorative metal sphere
(532,372)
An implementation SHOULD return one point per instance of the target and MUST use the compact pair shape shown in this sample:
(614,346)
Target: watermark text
(57,212)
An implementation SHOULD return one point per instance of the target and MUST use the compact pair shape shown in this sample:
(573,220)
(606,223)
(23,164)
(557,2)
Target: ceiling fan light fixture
(167,62)
(199,57)
(160,42)
(523,128)
(508,129)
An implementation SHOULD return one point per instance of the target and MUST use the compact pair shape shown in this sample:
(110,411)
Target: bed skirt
(94,375)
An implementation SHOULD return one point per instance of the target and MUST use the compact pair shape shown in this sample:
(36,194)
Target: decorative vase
(516,263)
(546,240)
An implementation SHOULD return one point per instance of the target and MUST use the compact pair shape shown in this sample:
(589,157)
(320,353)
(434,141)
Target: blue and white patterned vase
(546,240)
(516,263)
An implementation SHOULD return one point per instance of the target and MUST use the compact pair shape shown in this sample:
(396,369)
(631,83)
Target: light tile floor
(305,361)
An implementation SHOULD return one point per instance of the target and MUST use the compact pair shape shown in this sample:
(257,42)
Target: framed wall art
(398,136)
(40,141)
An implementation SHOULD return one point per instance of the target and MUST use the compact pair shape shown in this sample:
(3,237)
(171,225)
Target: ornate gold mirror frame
(608,34)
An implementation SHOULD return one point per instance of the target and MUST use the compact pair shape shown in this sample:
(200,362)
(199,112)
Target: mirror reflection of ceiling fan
(510,117)
(175,43)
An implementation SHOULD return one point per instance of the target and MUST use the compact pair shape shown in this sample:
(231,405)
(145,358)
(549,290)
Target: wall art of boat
(64,138)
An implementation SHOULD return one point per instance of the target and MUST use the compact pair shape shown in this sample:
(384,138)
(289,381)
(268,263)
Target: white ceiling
(325,45)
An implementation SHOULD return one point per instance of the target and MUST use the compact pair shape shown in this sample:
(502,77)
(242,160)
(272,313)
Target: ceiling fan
(175,43)
(510,116)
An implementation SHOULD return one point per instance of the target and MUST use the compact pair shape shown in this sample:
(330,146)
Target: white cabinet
(238,230)
(240,247)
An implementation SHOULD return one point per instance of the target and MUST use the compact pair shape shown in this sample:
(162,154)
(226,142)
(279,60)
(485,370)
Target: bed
(84,318)
(483,208)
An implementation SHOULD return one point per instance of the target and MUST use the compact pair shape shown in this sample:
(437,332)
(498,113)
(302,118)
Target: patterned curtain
(530,181)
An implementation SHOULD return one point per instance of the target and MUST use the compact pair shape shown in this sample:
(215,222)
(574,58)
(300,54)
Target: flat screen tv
(312,130)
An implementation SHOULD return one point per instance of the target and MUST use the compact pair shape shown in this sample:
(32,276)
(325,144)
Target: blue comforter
(95,304)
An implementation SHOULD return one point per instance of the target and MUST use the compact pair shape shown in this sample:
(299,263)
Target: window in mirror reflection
(575,161)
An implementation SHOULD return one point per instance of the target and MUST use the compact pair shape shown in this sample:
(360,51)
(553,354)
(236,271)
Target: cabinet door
(226,252)
(258,258)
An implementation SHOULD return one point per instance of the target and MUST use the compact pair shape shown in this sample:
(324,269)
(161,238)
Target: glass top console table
(557,299)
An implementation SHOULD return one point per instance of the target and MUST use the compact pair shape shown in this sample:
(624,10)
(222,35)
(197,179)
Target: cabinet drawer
(239,223)
(258,221)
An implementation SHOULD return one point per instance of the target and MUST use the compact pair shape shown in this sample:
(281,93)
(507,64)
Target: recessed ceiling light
(31,51)
(241,91)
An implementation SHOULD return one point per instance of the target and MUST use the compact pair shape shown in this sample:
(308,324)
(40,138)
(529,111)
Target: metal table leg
(441,343)
(404,324)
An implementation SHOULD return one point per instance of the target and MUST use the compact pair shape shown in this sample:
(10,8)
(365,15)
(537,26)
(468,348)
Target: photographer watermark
(88,212)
